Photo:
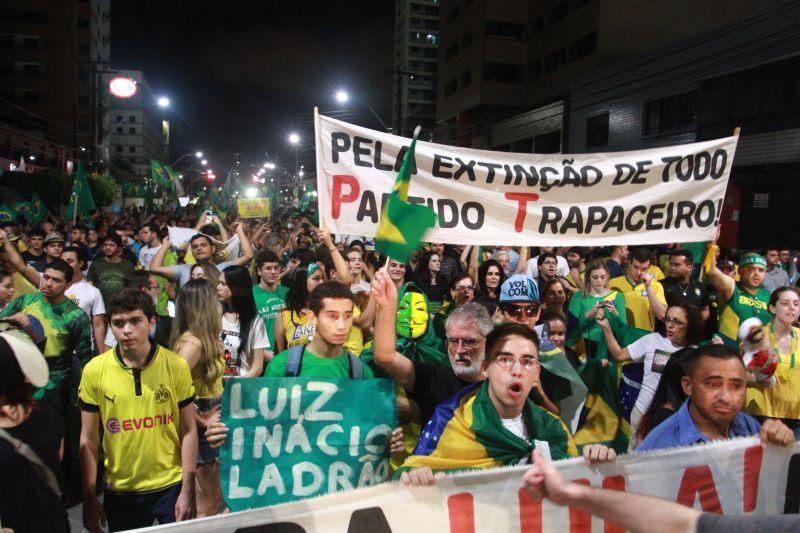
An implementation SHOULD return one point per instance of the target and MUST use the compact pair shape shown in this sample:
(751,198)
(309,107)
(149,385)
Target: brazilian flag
(23,210)
(402,224)
(7,215)
(158,173)
(305,202)
(39,210)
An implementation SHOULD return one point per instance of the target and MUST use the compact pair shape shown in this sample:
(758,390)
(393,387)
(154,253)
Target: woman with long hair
(554,296)
(594,297)
(195,336)
(31,497)
(487,285)
(293,327)
(781,400)
(430,281)
(684,327)
(669,395)
(244,338)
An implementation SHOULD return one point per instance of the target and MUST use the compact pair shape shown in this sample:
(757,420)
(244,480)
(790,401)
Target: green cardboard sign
(295,438)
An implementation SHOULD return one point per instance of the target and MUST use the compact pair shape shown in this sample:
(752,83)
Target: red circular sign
(122,87)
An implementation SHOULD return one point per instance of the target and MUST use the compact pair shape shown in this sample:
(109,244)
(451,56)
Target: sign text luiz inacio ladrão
(292,438)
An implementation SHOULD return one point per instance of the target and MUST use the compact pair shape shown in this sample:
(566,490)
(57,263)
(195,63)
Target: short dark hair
(150,227)
(138,279)
(771,247)
(200,236)
(129,300)
(80,255)
(457,278)
(37,232)
(328,289)
(210,229)
(547,255)
(683,253)
(266,256)
(716,351)
(496,338)
(61,266)
(641,255)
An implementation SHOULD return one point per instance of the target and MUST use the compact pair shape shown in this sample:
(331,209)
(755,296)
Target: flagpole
(75,210)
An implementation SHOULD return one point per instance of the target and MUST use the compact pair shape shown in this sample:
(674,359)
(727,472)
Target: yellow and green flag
(39,210)
(402,224)
(7,214)
(159,174)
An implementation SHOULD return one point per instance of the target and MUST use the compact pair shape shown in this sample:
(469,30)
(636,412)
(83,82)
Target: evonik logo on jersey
(115,425)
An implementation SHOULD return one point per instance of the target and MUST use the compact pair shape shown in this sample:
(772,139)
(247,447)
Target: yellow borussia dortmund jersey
(780,400)
(637,305)
(140,413)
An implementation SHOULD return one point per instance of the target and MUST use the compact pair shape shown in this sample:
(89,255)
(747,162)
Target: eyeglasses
(674,322)
(527,362)
(153,287)
(469,342)
(517,310)
(465,288)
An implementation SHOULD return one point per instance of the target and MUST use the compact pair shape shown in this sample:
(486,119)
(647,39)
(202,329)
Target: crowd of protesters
(140,333)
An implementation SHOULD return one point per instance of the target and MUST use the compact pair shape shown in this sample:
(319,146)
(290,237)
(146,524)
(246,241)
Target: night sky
(243,74)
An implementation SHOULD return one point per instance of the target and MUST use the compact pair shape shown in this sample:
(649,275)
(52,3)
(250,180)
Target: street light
(204,162)
(294,138)
(198,155)
(251,192)
(342,97)
(163,101)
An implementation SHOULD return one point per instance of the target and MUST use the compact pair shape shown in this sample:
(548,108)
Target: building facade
(50,55)
(415,64)
(745,75)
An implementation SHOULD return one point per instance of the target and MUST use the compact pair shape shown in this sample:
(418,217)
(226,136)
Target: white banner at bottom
(730,477)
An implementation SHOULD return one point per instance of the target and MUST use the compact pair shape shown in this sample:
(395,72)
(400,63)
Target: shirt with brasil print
(67,330)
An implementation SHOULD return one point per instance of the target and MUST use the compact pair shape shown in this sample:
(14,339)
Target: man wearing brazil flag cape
(493,423)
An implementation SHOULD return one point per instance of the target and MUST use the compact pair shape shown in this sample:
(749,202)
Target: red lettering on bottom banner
(752,469)
(613,483)
(698,481)
(530,513)
(337,198)
(580,521)
(462,513)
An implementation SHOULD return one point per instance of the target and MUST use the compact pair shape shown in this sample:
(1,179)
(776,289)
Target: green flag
(305,202)
(7,214)
(172,175)
(81,195)
(402,224)
(39,210)
(23,209)
(158,174)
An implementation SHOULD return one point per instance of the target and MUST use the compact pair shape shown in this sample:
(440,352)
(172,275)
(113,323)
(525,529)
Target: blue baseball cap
(519,288)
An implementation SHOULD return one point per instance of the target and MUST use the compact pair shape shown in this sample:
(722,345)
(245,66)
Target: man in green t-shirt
(269,294)
(331,310)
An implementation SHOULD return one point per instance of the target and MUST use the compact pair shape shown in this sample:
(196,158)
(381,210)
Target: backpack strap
(356,367)
(294,361)
(29,454)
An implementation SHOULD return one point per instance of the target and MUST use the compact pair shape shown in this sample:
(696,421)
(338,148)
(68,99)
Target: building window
(31,69)
(451,51)
(583,46)
(538,24)
(132,149)
(119,118)
(119,129)
(505,30)
(30,43)
(83,49)
(83,125)
(465,79)
(466,39)
(502,73)
(132,130)
(671,114)
(83,99)
(119,149)
(536,69)
(453,14)
(559,12)
(83,75)
(83,23)
(597,131)
(31,96)
(132,119)
(450,87)
(555,60)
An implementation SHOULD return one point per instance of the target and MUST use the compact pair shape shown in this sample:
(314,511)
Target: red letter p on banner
(337,198)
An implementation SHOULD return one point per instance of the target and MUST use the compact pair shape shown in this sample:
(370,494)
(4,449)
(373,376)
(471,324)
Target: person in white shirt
(151,244)
(84,294)
(532,266)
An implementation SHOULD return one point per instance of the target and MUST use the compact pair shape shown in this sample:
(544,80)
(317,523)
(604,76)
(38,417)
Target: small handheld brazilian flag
(403,225)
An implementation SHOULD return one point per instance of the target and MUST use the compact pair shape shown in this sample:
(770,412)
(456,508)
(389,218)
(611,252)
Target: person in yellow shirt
(644,296)
(143,396)
(781,400)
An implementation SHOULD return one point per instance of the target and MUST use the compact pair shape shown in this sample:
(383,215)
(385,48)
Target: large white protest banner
(730,477)
(666,194)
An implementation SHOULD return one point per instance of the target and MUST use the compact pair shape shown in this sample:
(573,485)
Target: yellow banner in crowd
(253,207)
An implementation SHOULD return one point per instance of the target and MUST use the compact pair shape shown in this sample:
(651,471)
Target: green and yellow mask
(412,315)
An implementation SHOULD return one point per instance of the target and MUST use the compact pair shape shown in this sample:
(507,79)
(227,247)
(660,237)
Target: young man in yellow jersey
(143,395)
(644,296)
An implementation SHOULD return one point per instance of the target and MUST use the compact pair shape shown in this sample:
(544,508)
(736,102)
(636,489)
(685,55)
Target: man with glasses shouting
(430,384)
(494,423)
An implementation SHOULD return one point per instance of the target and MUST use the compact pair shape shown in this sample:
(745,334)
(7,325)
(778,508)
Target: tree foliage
(55,187)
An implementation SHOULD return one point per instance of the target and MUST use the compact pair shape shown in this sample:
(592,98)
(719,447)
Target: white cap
(29,358)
